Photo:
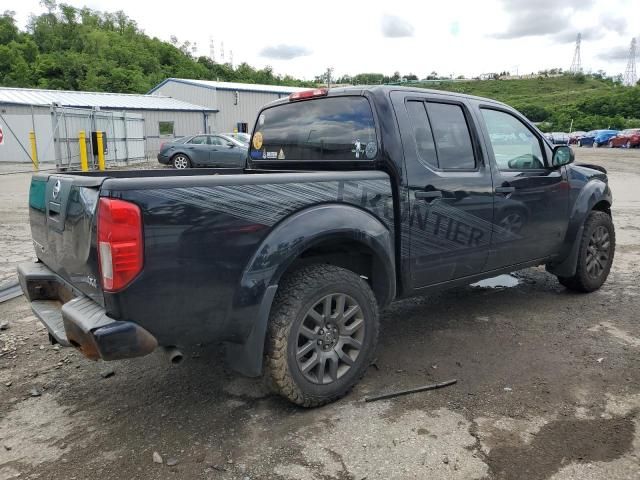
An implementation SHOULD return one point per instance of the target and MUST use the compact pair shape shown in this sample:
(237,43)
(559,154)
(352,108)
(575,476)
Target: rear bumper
(164,159)
(75,320)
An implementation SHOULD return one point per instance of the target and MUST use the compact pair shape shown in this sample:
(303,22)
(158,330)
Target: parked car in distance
(558,138)
(574,136)
(596,138)
(351,198)
(240,136)
(204,150)
(627,138)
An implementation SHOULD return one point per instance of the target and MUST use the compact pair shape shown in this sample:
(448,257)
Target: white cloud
(396,27)
(349,38)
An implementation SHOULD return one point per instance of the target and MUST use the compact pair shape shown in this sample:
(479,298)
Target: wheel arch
(594,195)
(337,234)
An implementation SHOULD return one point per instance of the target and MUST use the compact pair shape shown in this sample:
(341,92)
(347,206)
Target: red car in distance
(574,136)
(626,138)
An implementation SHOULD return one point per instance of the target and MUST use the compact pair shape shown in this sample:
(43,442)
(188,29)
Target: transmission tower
(212,50)
(231,58)
(576,64)
(630,77)
(221,52)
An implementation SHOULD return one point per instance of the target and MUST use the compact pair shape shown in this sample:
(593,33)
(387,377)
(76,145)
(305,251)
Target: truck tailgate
(62,212)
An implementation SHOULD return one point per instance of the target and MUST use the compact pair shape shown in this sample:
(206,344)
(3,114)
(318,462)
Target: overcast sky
(450,37)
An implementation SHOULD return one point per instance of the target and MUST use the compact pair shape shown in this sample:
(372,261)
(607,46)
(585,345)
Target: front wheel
(628,144)
(595,144)
(323,329)
(595,254)
(610,144)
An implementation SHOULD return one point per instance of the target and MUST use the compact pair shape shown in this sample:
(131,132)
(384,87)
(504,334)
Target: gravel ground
(548,387)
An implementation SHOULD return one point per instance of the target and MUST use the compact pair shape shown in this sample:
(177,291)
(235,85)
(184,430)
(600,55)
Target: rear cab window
(340,128)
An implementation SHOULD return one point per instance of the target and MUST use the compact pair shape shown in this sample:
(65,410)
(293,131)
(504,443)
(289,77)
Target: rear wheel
(610,144)
(628,144)
(579,143)
(595,144)
(181,161)
(323,330)
(595,254)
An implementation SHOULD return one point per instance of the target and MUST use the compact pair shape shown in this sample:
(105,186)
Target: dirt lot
(548,387)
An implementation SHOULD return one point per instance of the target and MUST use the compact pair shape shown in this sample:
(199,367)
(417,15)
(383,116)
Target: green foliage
(82,49)
(590,101)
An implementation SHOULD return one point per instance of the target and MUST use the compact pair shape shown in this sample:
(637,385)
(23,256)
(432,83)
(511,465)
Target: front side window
(334,128)
(515,147)
(216,141)
(198,140)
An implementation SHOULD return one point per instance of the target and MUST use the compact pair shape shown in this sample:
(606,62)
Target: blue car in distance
(596,138)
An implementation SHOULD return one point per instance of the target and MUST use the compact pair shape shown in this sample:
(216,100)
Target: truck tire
(595,254)
(323,330)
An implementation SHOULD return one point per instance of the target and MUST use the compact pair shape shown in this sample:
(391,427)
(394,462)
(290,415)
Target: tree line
(70,48)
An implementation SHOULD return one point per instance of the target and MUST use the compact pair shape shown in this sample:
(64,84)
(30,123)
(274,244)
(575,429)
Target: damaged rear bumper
(73,319)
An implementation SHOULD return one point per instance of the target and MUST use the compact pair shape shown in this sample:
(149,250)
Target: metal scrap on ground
(433,386)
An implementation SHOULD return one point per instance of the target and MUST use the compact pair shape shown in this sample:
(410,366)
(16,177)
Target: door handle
(429,194)
(505,190)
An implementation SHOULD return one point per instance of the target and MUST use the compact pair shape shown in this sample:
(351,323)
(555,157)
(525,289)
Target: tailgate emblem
(56,189)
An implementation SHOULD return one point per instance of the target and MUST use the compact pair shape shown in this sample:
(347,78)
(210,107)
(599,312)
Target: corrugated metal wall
(57,132)
(184,123)
(230,113)
(17,122)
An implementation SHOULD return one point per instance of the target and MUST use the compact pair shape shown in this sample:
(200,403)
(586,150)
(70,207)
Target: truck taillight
(120,244)
(316,92)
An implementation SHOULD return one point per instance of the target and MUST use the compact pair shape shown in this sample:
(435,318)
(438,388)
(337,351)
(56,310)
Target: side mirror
(231,144)
(562,155)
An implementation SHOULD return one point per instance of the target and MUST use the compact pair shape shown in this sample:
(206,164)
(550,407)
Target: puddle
(501,281)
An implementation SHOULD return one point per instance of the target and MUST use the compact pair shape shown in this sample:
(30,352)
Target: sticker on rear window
(371,150)
(257,140)
(357,148)
(281,155)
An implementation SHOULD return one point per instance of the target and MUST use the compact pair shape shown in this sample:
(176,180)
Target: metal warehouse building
(134,125)
(236,104)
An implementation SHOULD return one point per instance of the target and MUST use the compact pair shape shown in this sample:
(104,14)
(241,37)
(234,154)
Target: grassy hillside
(590,100)
(83,49)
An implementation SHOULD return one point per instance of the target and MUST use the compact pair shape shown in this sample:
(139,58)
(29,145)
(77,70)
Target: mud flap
(568,266)
(246,358)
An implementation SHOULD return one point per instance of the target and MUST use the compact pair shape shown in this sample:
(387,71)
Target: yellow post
(34,149)
(100,150)
(82,144)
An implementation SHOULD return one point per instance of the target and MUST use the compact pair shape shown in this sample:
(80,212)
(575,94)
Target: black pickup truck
(350,198)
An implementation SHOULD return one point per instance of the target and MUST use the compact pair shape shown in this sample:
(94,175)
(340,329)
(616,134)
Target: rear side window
(441,135)
(451,133)
(335,128)
(422,135)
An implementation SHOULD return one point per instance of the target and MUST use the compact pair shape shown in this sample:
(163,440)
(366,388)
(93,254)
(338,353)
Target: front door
(224,153)
(531,198)
(450,206)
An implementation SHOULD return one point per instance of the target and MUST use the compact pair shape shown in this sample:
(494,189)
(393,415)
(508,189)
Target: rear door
(531,199)
(198,150)
(450,209)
